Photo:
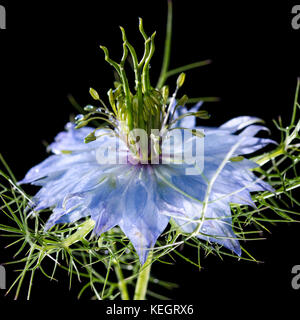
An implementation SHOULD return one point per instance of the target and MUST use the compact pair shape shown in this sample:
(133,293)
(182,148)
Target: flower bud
(81,124)
(89,108)
(79,117)
(94,94)
(180,80)
(165,93)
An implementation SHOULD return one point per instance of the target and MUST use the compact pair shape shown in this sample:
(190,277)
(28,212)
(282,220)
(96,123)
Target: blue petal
(142,222)
(253,130)
(72,140)
(56,164)
(239,123)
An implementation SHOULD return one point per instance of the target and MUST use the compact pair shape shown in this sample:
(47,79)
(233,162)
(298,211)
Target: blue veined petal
(239,123)
(175,175)
(129,202)
(252,144)
(247,177)
(72,140)
(219,228)
(73,180)
(234,125)
(82,204)
(67,211)
(218,144)
(233,185)
(253,130)
(56,164)
(216,227)
(220,232)
(217,223)
(63,215)
(78,178)
(142,222)
(195,187)
(100,200)
(234,181)
(111,204)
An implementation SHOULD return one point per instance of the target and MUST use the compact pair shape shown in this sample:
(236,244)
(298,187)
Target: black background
(51,49)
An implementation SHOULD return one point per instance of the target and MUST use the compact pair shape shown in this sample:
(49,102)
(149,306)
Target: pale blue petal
(142,222)
(57,164)
(253,130)
(72,140)
(239,123)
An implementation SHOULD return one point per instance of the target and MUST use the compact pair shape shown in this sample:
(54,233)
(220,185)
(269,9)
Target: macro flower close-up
(142,198)
(141,177)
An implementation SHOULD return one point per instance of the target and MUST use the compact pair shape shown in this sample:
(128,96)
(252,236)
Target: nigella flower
(105,173)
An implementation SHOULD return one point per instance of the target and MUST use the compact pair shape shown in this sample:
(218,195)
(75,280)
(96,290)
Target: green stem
(81,232)
(295,102)
(121,282)
(204,99)
(261,160)
(143,279)
(167,51)
(187,67)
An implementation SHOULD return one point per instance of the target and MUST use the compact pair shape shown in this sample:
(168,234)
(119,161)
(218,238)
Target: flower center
(140,116)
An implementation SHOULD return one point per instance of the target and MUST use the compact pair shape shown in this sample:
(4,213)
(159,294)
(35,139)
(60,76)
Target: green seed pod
(81,124)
